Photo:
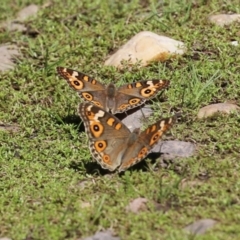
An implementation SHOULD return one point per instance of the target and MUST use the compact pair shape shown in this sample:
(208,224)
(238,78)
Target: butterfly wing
(107,135)
(135,94)
(145,142)
(88,88)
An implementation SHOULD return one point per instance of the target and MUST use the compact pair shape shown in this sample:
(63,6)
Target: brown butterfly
(112,144)
(111,98)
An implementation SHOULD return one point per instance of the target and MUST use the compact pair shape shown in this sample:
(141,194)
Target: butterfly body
(111,98)
(112,144)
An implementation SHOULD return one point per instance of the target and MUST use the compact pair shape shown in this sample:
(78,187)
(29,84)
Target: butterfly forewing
(107,135)
(135,94)
(109,97)
(88,88)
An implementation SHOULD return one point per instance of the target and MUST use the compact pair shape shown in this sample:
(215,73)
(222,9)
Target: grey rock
(135,120)
(107,235)
(200,227)
(174,148)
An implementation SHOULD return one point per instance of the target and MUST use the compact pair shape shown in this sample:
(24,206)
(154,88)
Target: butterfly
(111,98)
(112,144)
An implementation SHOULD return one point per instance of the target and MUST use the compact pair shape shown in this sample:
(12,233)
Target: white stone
(224,19)
(234,43)
(7,53)
(16,24)
(146,47)
(27,12)
(212,109)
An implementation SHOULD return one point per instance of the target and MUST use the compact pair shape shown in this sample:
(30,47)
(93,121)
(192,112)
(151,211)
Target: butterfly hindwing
(145,142)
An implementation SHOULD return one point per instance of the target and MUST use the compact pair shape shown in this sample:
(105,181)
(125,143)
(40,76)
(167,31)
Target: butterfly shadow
(90,168)
(141,112)
(93,168)
(74,120)
(143,165)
